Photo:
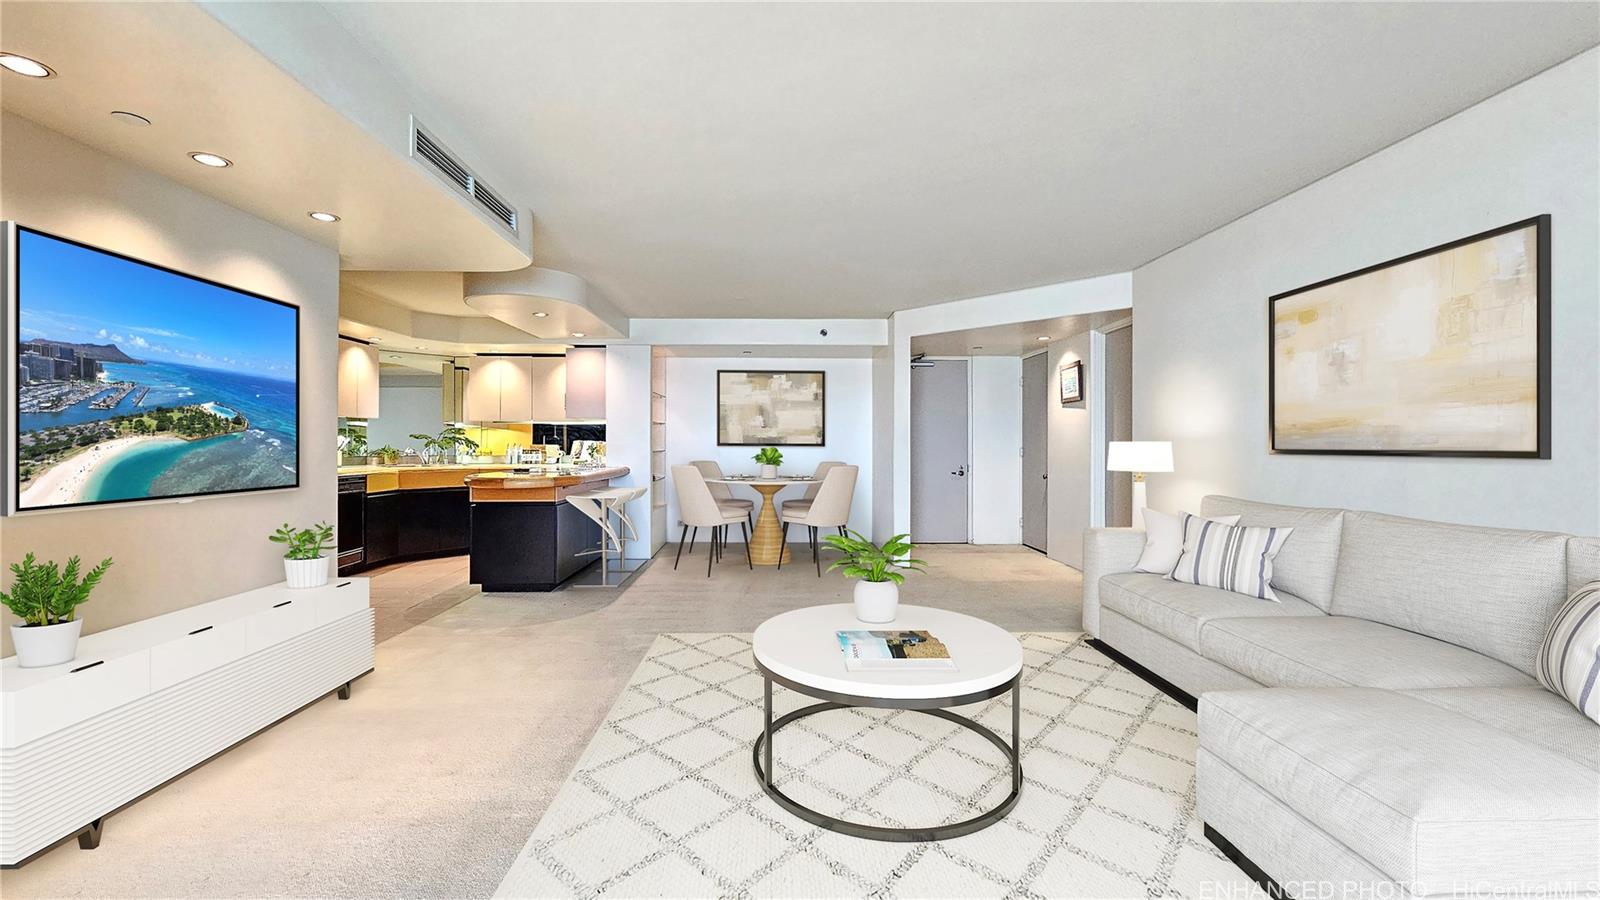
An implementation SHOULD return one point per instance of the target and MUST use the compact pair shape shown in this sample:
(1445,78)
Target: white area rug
(664,802)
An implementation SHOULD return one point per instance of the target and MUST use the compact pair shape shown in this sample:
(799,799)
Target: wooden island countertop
(537,486)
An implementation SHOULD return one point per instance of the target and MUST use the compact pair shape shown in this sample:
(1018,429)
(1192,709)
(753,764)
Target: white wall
(173,555)
(1076,497)
(407,404)
(883,447)
(996,450)
(1200,361)
(691,389)
(628,436)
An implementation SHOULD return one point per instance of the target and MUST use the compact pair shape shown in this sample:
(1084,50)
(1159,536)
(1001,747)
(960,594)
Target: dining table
(767,547)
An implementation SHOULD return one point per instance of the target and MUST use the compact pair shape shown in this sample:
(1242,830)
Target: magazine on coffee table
(889,651)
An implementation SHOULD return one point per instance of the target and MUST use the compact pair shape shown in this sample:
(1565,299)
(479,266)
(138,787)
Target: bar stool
(597,505)
(620,498)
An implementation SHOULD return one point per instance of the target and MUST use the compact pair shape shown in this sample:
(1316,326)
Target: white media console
(144,703)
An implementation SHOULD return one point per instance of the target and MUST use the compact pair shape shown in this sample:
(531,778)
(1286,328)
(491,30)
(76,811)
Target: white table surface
(801,479)
(802,645)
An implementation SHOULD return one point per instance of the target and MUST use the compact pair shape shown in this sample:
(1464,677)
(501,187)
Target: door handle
(960,473)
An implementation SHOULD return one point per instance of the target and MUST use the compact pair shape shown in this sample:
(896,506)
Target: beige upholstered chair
(804,500)
(698,509)
(724,494)
(830,509)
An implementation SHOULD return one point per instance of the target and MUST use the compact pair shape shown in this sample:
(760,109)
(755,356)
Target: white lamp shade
(1139,456)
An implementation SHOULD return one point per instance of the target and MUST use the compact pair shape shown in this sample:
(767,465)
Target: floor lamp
(1139,457)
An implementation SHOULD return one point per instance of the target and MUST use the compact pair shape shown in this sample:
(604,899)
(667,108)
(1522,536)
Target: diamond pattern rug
(663,802)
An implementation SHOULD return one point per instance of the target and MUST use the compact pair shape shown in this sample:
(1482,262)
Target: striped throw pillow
(1234,558)
(1569,661)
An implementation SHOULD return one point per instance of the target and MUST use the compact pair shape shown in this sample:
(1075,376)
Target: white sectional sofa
(1380,732)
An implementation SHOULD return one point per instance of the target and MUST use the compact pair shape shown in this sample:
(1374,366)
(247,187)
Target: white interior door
(1036,451)
(940,448)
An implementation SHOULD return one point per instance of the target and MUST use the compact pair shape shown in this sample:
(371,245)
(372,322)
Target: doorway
(940,448)
(1035,451)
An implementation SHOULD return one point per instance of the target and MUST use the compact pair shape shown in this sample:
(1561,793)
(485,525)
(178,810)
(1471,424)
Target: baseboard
(1273,889)
(1156,681)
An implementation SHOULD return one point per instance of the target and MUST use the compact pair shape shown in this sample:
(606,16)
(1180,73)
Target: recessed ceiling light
(540,315)
(212,160)
(323,216)
(1044,337)
(129,118)
(22,65)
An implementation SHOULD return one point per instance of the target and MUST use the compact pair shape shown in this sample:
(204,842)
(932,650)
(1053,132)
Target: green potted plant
(770,459)
(387,455)
(46,598)
(305,561)
(352,444)
(881,570)
(451,440)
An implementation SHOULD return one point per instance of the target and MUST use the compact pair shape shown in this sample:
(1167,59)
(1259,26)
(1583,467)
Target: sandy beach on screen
(64,482)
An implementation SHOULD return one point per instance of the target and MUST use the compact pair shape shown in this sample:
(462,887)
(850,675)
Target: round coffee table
(800,650)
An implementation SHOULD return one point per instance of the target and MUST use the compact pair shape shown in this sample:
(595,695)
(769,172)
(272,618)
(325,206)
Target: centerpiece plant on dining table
(769,458)
(882,569)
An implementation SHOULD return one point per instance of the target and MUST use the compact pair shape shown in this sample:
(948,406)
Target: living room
(1097,450)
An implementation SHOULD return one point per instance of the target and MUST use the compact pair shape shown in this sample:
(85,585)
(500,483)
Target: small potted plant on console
(770,459)
(46,598)
(881,570)
(305,563)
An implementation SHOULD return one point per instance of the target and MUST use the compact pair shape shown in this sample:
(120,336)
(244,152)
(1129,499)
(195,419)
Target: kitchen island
(392,514)
(525,536)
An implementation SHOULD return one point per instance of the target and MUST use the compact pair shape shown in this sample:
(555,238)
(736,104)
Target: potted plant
(881,570)
(46,598)
(387,455)
(304,562)
(352,445)
(770,459)
(452,440)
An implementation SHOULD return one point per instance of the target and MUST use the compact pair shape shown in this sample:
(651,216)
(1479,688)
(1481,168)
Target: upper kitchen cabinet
(499,389)
(549,389)
(586,383)
(358,380)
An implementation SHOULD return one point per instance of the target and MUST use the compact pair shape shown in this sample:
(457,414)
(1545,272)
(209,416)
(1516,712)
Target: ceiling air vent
(429,149)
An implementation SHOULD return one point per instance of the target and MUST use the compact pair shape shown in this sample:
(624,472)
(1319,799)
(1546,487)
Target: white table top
(781,479)
(802,645)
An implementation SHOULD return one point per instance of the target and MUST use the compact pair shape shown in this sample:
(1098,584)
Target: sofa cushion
(1569,657)
(1176,610)
(1427,795)
(1492,590)
(1335,651)
(1305,567)
(1532,713)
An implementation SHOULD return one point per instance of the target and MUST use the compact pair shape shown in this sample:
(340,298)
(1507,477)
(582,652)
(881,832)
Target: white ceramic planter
(769,471)
(306,573)
(876,601)
(46,645)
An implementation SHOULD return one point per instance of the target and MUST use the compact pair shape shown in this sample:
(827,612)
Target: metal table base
(761,754)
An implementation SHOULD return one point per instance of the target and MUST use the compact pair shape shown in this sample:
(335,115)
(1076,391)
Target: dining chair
(698,509)
(830,509)
(724,494)
(804,500)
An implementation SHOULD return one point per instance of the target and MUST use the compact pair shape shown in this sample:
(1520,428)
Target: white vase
(46,645)
(876,601)
(769,471)
(306,573)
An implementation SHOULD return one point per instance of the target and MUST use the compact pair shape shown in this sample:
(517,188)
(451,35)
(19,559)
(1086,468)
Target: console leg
(344,691)
(89,837)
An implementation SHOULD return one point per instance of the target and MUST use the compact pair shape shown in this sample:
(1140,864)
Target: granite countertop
(544,477)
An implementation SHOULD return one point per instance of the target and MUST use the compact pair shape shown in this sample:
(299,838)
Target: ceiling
(1017,339)
(429,292)
(850,160)
(204,89)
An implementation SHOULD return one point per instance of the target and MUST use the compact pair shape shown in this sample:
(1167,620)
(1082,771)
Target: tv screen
(136,382)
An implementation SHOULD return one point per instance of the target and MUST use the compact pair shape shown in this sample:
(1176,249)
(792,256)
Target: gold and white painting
(779,409)
(1434,353)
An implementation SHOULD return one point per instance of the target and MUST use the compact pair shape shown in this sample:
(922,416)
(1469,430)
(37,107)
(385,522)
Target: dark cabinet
(407,524)
(383,527)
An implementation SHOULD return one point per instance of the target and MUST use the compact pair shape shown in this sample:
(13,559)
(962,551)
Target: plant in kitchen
(452,439)
(387,454)
(353,441)
(303,543)
(46,594)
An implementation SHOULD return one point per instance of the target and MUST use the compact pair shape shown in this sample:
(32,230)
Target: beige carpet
(429,780)
(664,802)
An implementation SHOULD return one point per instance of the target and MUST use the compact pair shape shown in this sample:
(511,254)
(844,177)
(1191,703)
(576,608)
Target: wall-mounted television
(132,381)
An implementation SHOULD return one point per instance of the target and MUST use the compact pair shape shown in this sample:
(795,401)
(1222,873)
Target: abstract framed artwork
(1071,375)
(1444,352)
(771,408)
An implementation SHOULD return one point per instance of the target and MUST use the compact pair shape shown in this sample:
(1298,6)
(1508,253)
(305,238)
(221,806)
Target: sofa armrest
(1106,551)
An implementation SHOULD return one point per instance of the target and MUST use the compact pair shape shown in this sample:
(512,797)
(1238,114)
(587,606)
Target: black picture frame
(14,314)
(822,376)
(1542,378)
(1076,367)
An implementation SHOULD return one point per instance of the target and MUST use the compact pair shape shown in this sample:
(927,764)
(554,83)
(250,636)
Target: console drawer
(90,687)
(280,622)
(206,648)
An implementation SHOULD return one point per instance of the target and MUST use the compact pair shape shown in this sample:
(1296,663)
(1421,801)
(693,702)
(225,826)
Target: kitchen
(427,444)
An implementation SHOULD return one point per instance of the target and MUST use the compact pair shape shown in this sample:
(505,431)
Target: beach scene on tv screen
(134,382)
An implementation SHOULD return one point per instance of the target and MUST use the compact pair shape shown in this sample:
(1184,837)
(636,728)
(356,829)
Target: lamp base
(1138,500)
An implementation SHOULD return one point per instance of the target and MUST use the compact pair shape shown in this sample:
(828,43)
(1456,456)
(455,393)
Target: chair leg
(747,560)
(816,551)
(711,555)
(681,538)
(783,544)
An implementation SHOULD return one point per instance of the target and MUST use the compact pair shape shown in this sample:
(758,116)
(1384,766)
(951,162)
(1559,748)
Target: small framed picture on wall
(1071,382)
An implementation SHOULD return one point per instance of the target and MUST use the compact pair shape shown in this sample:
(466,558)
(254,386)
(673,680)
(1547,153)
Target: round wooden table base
(766,543)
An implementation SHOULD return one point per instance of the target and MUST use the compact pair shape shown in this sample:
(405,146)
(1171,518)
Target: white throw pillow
(1234,558)
(1569,660)
(1163,540)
